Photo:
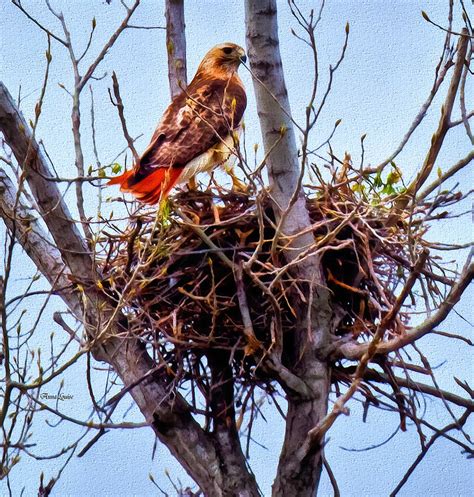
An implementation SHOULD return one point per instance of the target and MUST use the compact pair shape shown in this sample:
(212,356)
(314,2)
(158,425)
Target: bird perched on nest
(197,131)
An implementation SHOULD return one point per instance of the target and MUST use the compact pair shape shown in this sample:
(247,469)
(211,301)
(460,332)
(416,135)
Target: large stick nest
(183,280)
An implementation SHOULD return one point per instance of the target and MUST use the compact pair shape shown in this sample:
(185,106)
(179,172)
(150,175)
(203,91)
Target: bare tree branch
(453,426)
(169,416)
(461,164)
(90,71)
(176,46)
(356,351)
(36,243)
(416,386)
(445,119)
(17,3)
(46,193)
(119,104)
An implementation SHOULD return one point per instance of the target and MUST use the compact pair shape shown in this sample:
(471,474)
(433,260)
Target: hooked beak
(242,56)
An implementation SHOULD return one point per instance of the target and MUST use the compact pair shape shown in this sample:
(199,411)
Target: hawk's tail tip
(121,180)
(151,188)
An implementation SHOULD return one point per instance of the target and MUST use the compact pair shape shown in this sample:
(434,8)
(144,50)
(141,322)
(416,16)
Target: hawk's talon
(237,185)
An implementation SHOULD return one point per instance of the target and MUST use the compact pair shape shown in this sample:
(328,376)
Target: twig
(453,426)
(119,104)
(444,123)
(90,71)
(17,3)
(461,164)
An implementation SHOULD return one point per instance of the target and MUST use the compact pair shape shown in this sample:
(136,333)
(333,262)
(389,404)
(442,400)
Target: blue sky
(386,76)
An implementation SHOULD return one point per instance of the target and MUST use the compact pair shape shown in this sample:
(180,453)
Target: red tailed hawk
(196,132)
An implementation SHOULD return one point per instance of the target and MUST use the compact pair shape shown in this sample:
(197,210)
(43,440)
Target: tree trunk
(176,46)
(218,467)
(237,477)
(297,476)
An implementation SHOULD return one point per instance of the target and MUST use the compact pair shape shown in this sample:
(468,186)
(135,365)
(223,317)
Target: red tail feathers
(150,189)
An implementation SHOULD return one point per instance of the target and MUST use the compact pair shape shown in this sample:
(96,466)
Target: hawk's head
(222,59)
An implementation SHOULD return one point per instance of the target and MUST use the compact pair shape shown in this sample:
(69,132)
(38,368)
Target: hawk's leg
(192,183)
(237,185)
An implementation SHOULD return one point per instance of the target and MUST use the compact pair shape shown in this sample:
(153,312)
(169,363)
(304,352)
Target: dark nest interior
(182,274)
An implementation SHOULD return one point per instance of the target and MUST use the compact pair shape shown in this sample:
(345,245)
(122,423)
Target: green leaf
(116,168)
(378,180)
(358,188)
(388,189)
(393,177)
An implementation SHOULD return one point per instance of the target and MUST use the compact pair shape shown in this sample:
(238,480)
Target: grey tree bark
(176,46)
(295,477)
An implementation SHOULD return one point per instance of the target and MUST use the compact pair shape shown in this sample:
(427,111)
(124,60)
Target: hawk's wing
(196,120)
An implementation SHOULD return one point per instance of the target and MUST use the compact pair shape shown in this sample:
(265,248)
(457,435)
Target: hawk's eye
(227,50)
